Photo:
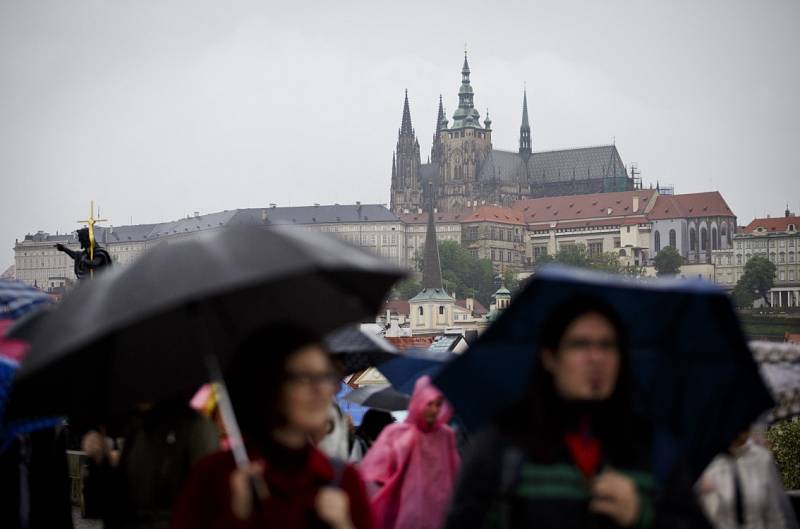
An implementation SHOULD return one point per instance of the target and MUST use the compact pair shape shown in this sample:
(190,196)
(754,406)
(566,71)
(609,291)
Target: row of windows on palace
(472,233)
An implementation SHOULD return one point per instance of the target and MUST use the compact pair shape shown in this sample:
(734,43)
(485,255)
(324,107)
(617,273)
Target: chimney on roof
(196,214)
(635,203)
(272,204)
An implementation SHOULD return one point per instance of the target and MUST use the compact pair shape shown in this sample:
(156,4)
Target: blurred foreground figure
(281,384)
(571,453)
(136,487)
(414,464)
(742,488)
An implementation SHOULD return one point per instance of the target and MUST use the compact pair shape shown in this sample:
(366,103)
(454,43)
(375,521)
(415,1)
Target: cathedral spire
(405,127)
(525,128)
(431,268)
(466,115)
(441,119)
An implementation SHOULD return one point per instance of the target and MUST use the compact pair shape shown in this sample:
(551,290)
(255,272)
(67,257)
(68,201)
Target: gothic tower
(441,124)
(464,147)
(525,130)
(406,186)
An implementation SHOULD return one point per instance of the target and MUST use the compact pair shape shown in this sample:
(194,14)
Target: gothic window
(657,238)
(692,240)
(714,242)
(703,239)
(673,239)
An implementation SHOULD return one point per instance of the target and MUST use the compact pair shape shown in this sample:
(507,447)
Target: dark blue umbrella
(694,376)
(404,371)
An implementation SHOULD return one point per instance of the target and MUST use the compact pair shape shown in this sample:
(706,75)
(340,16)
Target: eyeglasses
(308,379)
(585,344)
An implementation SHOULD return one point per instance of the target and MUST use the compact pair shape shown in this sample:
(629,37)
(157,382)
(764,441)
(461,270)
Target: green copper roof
(502,291)
(431,294)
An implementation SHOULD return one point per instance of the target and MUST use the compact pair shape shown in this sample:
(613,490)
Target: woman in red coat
(281,384)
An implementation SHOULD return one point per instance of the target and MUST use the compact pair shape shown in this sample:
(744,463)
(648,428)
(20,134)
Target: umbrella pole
(232,425)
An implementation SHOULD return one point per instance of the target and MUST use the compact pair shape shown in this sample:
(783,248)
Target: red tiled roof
(422,218)
(772,224)
(494,214)
(792,337)
(709,204)
(613,222)
(409,342)
(477,308)
(577,207)
(397,306)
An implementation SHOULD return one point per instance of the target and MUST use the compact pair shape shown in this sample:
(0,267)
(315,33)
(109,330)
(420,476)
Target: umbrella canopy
(140,332)
(404,371)
(358,350)
(694,376)
(380,397)
(780,366)
(17,299)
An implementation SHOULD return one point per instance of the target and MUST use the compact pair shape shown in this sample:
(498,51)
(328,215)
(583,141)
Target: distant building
(466,170)
(777,239)
(603,222)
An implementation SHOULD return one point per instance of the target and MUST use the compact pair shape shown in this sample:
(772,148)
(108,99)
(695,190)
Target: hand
(241,489)
(615,496)
(333,507)
(95,445)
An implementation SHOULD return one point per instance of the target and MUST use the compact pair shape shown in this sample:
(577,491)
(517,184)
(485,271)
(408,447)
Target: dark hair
(256,376)
(372,424)
(538,421)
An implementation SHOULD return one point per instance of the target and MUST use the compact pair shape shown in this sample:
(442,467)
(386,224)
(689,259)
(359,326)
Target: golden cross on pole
(91,222)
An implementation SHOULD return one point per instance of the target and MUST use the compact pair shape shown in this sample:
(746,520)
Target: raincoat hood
(425,392)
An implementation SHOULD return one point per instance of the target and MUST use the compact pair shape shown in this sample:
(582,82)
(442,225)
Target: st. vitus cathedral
(465,170)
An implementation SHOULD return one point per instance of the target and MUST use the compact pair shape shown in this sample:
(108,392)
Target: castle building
(465,170)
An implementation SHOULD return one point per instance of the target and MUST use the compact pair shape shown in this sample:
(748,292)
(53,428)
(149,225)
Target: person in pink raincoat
(412,466)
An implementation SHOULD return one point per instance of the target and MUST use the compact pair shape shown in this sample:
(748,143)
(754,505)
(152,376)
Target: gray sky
(155,109)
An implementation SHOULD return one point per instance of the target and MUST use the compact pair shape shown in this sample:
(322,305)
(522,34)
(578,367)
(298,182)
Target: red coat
(205,502)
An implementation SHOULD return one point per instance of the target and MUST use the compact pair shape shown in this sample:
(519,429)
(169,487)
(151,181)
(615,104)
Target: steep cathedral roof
(555,166)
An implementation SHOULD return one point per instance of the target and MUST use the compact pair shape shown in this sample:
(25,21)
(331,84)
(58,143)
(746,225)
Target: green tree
(406,289)
(784,441)
(510,280)
(577,255)
(573,255)
(756,281)
(668,262)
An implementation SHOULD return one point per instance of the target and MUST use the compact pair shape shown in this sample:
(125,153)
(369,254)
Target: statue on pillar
(91,256)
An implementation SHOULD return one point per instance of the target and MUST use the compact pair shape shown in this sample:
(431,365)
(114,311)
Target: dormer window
(792,227)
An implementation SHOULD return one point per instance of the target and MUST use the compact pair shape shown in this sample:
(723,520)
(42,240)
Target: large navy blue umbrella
(403,371)
(694,376)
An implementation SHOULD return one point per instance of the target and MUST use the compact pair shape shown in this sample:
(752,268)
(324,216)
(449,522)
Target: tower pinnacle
(525,128)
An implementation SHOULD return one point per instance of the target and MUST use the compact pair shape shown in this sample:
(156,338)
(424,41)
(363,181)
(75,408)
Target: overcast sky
(155,109)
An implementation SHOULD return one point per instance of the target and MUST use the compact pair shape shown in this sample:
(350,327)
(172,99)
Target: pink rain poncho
(415,464)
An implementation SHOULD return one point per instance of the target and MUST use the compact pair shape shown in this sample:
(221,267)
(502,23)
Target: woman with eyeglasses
(281,384)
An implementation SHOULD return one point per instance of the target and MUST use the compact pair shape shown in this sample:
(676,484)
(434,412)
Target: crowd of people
(571,452)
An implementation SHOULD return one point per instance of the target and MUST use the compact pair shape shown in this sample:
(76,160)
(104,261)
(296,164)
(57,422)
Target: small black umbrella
(358,350)
(380,397)
(141,332)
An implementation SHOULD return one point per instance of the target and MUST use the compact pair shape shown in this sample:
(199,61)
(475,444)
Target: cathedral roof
(555,166)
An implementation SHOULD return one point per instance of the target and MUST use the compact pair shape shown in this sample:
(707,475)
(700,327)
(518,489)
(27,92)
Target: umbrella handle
(258,487)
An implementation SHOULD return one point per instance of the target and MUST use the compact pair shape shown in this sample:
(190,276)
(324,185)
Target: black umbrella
(380,397)
(141,332)
(358,350)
